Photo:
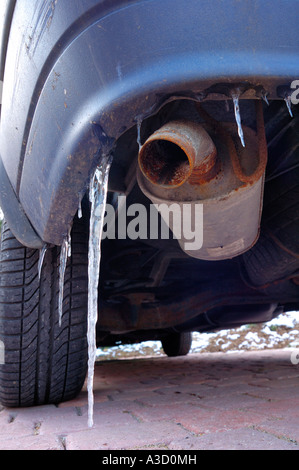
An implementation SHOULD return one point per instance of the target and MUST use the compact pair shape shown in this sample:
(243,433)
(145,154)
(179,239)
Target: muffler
(203,168)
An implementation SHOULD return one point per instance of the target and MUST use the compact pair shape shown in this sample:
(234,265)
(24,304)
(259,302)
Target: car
(149,179)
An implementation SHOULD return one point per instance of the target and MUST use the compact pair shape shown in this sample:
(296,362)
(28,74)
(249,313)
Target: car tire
(43,362)
(275,255)
(177,344)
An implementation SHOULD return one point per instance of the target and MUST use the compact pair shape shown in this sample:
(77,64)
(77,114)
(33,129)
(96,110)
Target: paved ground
(202,401)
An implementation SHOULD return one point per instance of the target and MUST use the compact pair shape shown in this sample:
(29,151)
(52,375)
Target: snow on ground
(282,332)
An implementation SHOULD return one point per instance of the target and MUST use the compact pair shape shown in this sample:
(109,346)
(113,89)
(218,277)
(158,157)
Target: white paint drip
(98,197)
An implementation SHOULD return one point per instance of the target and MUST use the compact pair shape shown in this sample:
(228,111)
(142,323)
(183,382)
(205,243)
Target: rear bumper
(85,74)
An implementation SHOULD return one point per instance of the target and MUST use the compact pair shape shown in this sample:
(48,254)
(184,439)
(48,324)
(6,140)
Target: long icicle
(98,197)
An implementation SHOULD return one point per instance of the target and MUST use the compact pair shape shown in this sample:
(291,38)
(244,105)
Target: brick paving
(207,401)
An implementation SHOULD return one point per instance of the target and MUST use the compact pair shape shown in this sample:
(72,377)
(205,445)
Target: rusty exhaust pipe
(179,151)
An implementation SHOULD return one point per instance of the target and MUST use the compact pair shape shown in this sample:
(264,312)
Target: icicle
(139,123)
(65,253)
(69,251)
(42,254)
(98,196)
(288,103)
(235,98)
(264,97)
(80,207)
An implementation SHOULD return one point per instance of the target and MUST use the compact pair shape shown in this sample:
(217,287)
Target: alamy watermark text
(143,222)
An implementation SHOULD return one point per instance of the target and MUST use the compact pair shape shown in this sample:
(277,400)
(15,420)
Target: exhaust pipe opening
(177,152)
(165,163)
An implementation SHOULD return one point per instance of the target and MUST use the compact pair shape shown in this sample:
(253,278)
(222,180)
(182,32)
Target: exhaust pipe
(205,167)
(178,152)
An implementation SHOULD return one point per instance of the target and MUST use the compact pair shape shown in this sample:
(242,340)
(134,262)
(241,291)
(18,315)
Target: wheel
(44,362)
(177,344)
(275,255)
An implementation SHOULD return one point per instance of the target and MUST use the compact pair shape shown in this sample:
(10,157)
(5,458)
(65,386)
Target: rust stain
(207,171)
(31,145)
